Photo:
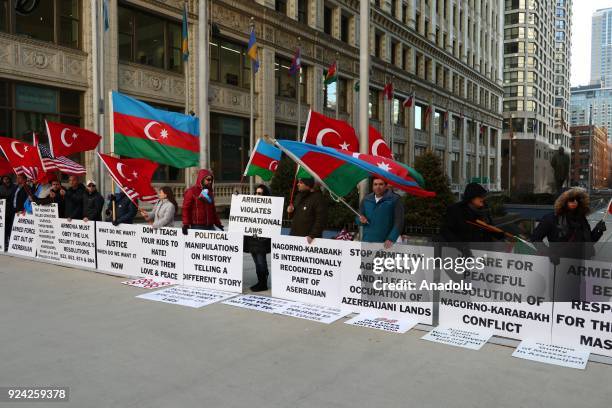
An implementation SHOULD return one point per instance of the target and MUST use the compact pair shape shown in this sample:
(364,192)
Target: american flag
(134,196)
(30,172)
(61,164)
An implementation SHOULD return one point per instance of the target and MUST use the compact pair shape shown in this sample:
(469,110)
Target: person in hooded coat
(567,230)
(199,211)
(456,228)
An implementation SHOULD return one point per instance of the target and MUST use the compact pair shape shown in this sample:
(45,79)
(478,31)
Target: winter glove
(555,259)
(220,227)
(185,229)
(112,197)
(600,226)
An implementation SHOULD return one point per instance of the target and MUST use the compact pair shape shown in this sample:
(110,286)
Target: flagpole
(391,107)
(186,61)
(313,174)
(101,30)
(364,84)
(203,78)
(252,116)
(337,87)
(299,98)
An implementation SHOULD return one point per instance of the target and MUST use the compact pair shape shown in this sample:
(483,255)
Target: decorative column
(264,94)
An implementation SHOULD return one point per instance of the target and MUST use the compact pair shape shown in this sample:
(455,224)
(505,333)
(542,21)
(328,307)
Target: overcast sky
(581,38)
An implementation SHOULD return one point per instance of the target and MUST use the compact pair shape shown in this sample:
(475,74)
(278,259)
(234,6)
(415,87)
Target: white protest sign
(75,241)
(146,283)
(117,248)
(2,224)
(552,354)
(580,323)
(260,303)
(160,253)
(511,294)
(45,248)
(383,323)
(466,338)
(309,273)
(185,296)
(316,313)
(213,259)
(369,290)
(256,215)
(24,236)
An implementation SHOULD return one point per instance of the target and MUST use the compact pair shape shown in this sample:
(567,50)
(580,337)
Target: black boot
(262,283)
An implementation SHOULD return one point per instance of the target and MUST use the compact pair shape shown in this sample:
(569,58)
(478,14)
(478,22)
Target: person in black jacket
(259,248)
(309,212)
(567,230)
(456,226)
(54,196)
(73,199)
(15,204)
(93,202)
(125,209)
(6,188)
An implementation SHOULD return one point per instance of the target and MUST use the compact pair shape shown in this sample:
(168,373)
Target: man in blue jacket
(382,214)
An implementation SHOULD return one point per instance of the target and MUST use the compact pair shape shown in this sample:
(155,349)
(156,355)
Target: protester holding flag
(199,211)
(259,247)
(309,211)
(382,214)
(125,208)
(567,230)
(73,199)
(93,203)
(458,225)
(162,214)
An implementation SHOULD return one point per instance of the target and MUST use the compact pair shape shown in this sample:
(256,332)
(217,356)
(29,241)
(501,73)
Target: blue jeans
(261,264)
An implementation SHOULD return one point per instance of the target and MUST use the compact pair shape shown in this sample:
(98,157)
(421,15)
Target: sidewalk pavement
(68,327)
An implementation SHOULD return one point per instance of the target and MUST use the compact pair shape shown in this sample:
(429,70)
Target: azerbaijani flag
(330,74)
(141,131)
(263,161)
(252,51)
(340,170)
(185,35)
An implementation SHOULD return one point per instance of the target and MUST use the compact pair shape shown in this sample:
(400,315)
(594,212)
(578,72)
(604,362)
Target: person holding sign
(309,212)
(199,210)
(567,230)
(73,199)
(93,203)
(162,214)
(382,215)
(259,248)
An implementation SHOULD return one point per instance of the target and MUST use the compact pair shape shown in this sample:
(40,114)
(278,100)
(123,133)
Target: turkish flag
(22,157)
(65,140)
(378,146)
(5,167)
(323,131)
(133,176)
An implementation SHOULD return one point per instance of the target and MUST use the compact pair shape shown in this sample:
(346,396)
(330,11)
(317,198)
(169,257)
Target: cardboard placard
(315,313)
(213,259)
(117,248)
(186,296)
(309,273)
(24,235)
(260,216)
(160,253)
(552,354)
(75,242)
(383,323)
(259,303)
(46,248)
(363,291)
(2,224)
(466,338)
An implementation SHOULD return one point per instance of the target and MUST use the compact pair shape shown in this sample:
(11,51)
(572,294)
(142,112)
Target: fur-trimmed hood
(575,192)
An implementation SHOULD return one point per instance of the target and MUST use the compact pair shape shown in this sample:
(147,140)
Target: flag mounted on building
(65,140)
(252,51)
(340,171)
(133,176)
(263,161)
(23,157)
(408,101)
(330,74)
(185,34)
(427,114)
(296,62)
(356,86)
(141,131)
(388,91)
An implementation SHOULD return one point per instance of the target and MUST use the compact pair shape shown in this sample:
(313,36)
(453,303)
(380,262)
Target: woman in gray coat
(162,214)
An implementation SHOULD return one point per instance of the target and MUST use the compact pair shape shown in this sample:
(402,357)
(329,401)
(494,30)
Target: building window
(344,28)
(229,145)
(229,63)
(55,21)
(377,45)
(327,20)
(418,117)
(373,105)
(398,112)
(302,6)
(331,95)
(24,108)
(149,40)
(281,6)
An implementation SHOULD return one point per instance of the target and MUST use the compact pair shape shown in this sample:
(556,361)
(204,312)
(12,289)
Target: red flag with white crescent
(23,157)
(65,140)
(133,176)
(324,131)
(378,146)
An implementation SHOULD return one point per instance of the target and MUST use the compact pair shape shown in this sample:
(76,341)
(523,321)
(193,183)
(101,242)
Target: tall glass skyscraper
(601,48)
